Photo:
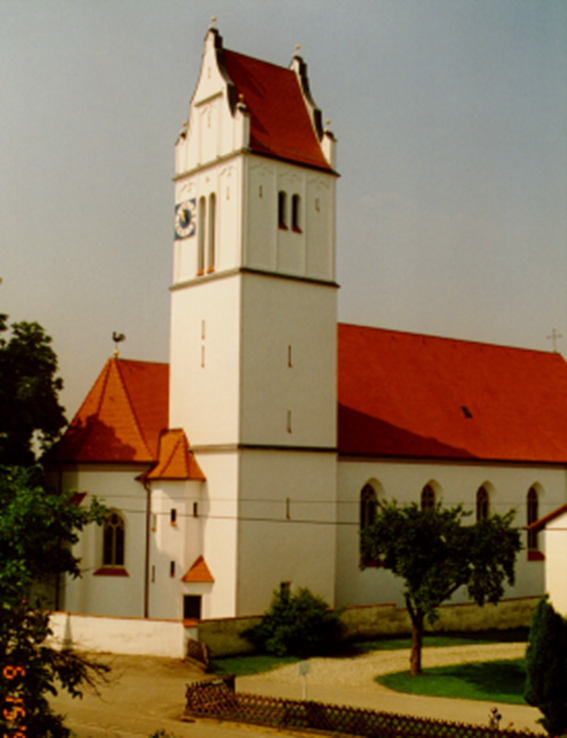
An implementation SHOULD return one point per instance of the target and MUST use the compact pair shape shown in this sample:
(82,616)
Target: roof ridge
(450,339)
(256,59)
(131,407)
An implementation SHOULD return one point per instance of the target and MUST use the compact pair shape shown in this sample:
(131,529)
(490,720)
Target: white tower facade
(253,328)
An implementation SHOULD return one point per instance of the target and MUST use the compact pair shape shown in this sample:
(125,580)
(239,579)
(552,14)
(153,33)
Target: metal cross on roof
(553,338)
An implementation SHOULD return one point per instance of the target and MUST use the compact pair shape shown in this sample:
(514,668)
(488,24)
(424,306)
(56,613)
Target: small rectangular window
(173,516)
(153,573)
(195,509)
(202,356)
(289,421)
(172,569)
(289,358)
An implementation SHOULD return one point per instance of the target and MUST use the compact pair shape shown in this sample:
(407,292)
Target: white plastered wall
(287,531)
(555,548)
(309,252)
(179,542)
(288,363)
(458,483)
(96,594)
(220,532)
(204,364)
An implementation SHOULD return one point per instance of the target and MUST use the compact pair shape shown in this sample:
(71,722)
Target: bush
(546,667)
(297,624)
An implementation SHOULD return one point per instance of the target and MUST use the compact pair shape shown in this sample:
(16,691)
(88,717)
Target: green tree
(546,667)
(29,406)
(435,554)
(38,527)
(298,624)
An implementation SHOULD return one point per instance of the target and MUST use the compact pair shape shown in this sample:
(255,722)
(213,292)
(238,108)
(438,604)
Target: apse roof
(122,416)
(280,125)
(408,395)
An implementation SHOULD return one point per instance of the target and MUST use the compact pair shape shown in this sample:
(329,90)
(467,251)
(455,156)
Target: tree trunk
(416,642)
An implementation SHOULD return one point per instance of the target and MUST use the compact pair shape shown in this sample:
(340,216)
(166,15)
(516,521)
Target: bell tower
(253,325)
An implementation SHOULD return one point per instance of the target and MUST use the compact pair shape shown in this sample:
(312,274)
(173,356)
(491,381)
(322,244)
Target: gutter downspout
(147,556)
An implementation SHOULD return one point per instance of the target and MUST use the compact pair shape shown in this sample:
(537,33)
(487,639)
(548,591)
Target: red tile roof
(280,125)
(406,395)
(122,416)
(175,460)
(199,572)
(400,395)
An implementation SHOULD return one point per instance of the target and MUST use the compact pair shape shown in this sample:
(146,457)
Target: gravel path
(359,672)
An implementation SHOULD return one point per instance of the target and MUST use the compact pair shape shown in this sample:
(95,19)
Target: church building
(256,455)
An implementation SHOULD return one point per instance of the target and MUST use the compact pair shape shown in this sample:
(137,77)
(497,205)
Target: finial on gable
(241,104)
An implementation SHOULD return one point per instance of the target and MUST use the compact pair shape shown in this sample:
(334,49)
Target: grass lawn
(495,681)
(435,640)
(246,665)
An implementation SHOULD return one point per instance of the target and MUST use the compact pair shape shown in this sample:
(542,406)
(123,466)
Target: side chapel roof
(408,395)
(175,459)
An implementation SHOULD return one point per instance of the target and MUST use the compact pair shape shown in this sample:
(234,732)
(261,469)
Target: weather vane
(117,338)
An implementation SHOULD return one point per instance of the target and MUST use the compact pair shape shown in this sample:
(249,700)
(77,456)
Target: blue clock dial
(185,219)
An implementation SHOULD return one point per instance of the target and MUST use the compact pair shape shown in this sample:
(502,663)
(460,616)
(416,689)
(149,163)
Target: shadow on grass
(495,681)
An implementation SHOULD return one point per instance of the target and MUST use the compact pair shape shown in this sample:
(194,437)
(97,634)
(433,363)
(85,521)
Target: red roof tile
(176,460)
(402,394)
(121,417)
(280,125)
(199,572)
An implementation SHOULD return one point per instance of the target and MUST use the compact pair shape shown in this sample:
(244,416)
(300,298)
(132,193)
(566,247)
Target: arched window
(296,214)
(113,540)
(202,229)
(282,207)
(211,233)
(368,505)
(482,504)
(533,515)
(427,497)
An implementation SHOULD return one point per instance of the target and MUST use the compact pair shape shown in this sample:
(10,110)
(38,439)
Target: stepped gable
(175,459)
(280,124)
(407,395)
(122,416)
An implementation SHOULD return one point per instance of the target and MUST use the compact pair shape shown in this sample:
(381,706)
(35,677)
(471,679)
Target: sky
(450,117)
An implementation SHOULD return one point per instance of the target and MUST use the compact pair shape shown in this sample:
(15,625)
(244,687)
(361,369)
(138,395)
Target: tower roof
(280,123)
(122,416)
(402,394)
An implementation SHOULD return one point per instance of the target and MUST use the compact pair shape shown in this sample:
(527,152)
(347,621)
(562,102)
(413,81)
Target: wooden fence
(217,698)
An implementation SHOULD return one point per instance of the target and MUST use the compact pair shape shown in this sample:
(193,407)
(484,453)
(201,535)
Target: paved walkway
(146,694)
(351,682)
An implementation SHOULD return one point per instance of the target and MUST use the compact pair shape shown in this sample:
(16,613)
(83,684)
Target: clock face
(185,219)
